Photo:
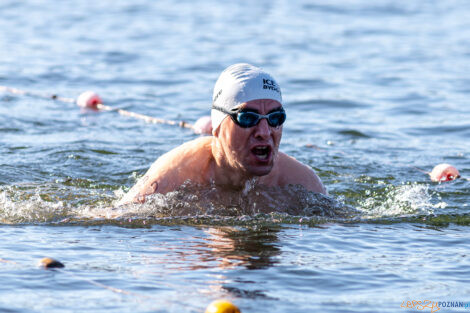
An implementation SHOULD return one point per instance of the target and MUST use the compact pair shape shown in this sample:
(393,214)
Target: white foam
(403,200)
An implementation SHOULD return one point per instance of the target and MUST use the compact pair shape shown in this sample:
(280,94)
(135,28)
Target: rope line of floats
(93,101)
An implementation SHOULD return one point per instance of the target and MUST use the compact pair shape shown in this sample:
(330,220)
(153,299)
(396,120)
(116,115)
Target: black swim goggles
(246,118)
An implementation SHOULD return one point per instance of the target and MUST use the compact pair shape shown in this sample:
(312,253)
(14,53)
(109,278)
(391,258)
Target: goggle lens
(249,119)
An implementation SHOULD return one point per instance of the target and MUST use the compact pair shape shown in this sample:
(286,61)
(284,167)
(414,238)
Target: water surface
(376,93)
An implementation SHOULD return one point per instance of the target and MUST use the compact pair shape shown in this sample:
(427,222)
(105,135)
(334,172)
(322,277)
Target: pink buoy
(203,126)
(89,99)
(444,172)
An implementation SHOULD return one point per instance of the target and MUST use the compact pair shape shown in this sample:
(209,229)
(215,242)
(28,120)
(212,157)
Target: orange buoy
(222,306)
(50,263)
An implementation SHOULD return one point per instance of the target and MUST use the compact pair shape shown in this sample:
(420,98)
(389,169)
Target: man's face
(254,149)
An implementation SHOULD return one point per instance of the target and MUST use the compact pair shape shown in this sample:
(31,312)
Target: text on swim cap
(270,84)
(217,95)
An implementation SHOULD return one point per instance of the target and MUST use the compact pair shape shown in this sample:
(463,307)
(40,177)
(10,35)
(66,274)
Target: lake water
(374,91)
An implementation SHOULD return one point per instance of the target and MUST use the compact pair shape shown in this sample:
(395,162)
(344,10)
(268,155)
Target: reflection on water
(224,248)
(251,248)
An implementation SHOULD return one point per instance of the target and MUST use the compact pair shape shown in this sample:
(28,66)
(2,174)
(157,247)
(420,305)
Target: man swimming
(247,116)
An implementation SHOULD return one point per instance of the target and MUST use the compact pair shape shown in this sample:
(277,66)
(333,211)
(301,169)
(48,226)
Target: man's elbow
(139,193)
(315,184)
(319,188)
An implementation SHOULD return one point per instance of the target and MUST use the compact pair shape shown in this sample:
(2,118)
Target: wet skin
(229,158)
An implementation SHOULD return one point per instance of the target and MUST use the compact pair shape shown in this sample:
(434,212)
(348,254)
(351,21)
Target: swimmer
(247,116)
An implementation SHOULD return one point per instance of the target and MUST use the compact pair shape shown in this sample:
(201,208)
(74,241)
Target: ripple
(462,130)
(372,10)
(118,57)
(311,83)
(353,133)
(102,151)
(328,104)
(10,130)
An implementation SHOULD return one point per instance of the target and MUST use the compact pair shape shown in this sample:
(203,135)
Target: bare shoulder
(186,155)
(188,161)
(294,172)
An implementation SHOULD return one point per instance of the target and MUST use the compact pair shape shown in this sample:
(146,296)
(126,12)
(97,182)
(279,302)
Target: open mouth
(262,153)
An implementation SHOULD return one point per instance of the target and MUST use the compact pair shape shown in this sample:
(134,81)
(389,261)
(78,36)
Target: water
(373,90)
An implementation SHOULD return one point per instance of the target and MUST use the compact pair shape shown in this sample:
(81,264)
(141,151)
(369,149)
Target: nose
(262,130)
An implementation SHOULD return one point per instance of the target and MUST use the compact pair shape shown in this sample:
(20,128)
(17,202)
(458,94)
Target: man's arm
(171,170)
(161,177)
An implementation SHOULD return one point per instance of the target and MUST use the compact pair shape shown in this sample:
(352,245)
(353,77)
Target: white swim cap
(240,83)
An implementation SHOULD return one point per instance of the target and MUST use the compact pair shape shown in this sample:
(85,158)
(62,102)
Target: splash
(403,200)
(82,202)
(15,209)
(50,202)
(191,199)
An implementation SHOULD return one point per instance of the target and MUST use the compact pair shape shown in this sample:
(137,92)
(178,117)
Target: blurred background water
(373,90)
